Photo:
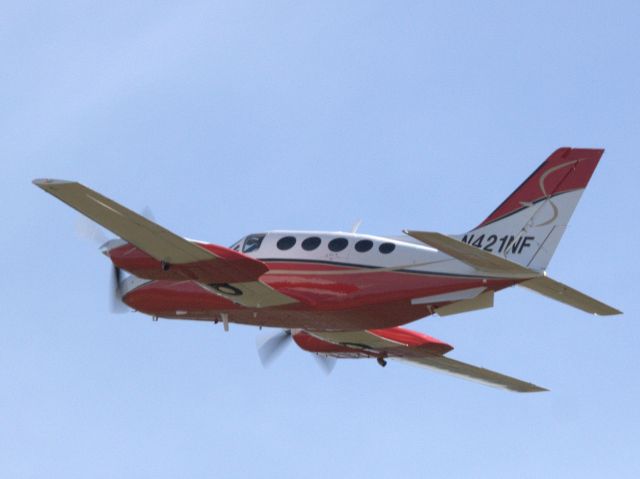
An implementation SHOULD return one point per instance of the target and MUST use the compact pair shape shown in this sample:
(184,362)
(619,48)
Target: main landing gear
(381,361)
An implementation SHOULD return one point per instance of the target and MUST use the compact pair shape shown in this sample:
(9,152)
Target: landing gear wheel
(381,361)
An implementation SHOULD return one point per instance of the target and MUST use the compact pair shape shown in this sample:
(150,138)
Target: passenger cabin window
(363,246)
(252,243)
(286,243)
(386,248)
(311,243)
(338,244)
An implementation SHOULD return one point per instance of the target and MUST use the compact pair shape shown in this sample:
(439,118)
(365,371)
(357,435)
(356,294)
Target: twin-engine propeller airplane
(344,295)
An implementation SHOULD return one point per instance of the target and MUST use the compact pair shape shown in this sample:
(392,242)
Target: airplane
(345,294)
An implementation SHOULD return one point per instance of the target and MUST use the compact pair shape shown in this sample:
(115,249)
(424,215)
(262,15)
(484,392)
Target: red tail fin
(567,169)
(526,228)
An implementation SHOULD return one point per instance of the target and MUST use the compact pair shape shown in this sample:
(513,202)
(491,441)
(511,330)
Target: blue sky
(230,118)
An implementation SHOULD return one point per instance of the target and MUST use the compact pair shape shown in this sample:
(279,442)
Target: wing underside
(474,373)
(375,344)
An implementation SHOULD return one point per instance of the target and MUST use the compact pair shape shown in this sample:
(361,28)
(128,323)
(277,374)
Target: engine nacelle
(315,345)
(228,265)
(389,342)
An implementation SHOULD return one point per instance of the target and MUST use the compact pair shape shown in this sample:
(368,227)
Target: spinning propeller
(87,229)
(117,305)
(271,347)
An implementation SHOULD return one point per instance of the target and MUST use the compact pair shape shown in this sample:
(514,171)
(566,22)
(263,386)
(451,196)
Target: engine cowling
(391,342)
(226,265)
(316,345)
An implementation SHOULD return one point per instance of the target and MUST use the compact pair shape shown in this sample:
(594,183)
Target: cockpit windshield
(248,243)
(252,243)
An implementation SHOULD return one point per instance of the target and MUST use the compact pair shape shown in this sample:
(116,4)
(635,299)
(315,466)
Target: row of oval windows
(335,245)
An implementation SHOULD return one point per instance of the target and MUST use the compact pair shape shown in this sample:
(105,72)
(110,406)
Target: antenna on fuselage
(356,225)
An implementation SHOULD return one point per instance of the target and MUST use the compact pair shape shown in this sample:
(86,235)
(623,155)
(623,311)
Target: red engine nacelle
(228,266)
(315,345)
(401,342)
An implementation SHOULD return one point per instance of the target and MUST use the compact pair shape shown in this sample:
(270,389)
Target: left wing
(409,346)
(164,255)
(153,239)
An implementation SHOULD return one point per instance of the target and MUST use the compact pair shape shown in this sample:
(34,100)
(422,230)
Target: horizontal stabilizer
(491,264)
(481,260)
(563,293)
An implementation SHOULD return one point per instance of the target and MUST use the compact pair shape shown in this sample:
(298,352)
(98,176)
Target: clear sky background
(228,118)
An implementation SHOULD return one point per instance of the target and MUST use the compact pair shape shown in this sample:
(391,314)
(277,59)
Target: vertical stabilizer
(526,228)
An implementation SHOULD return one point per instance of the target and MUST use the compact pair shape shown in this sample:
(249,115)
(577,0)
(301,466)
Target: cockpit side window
(236,246)
(252,243)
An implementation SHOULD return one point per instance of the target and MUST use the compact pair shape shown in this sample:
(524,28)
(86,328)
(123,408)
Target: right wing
(474,373)
(216,269)
(428,352)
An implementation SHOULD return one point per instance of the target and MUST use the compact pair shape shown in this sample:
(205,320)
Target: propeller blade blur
(148,214)
(273,346)
(326,363)
(87,229)
(117,306)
